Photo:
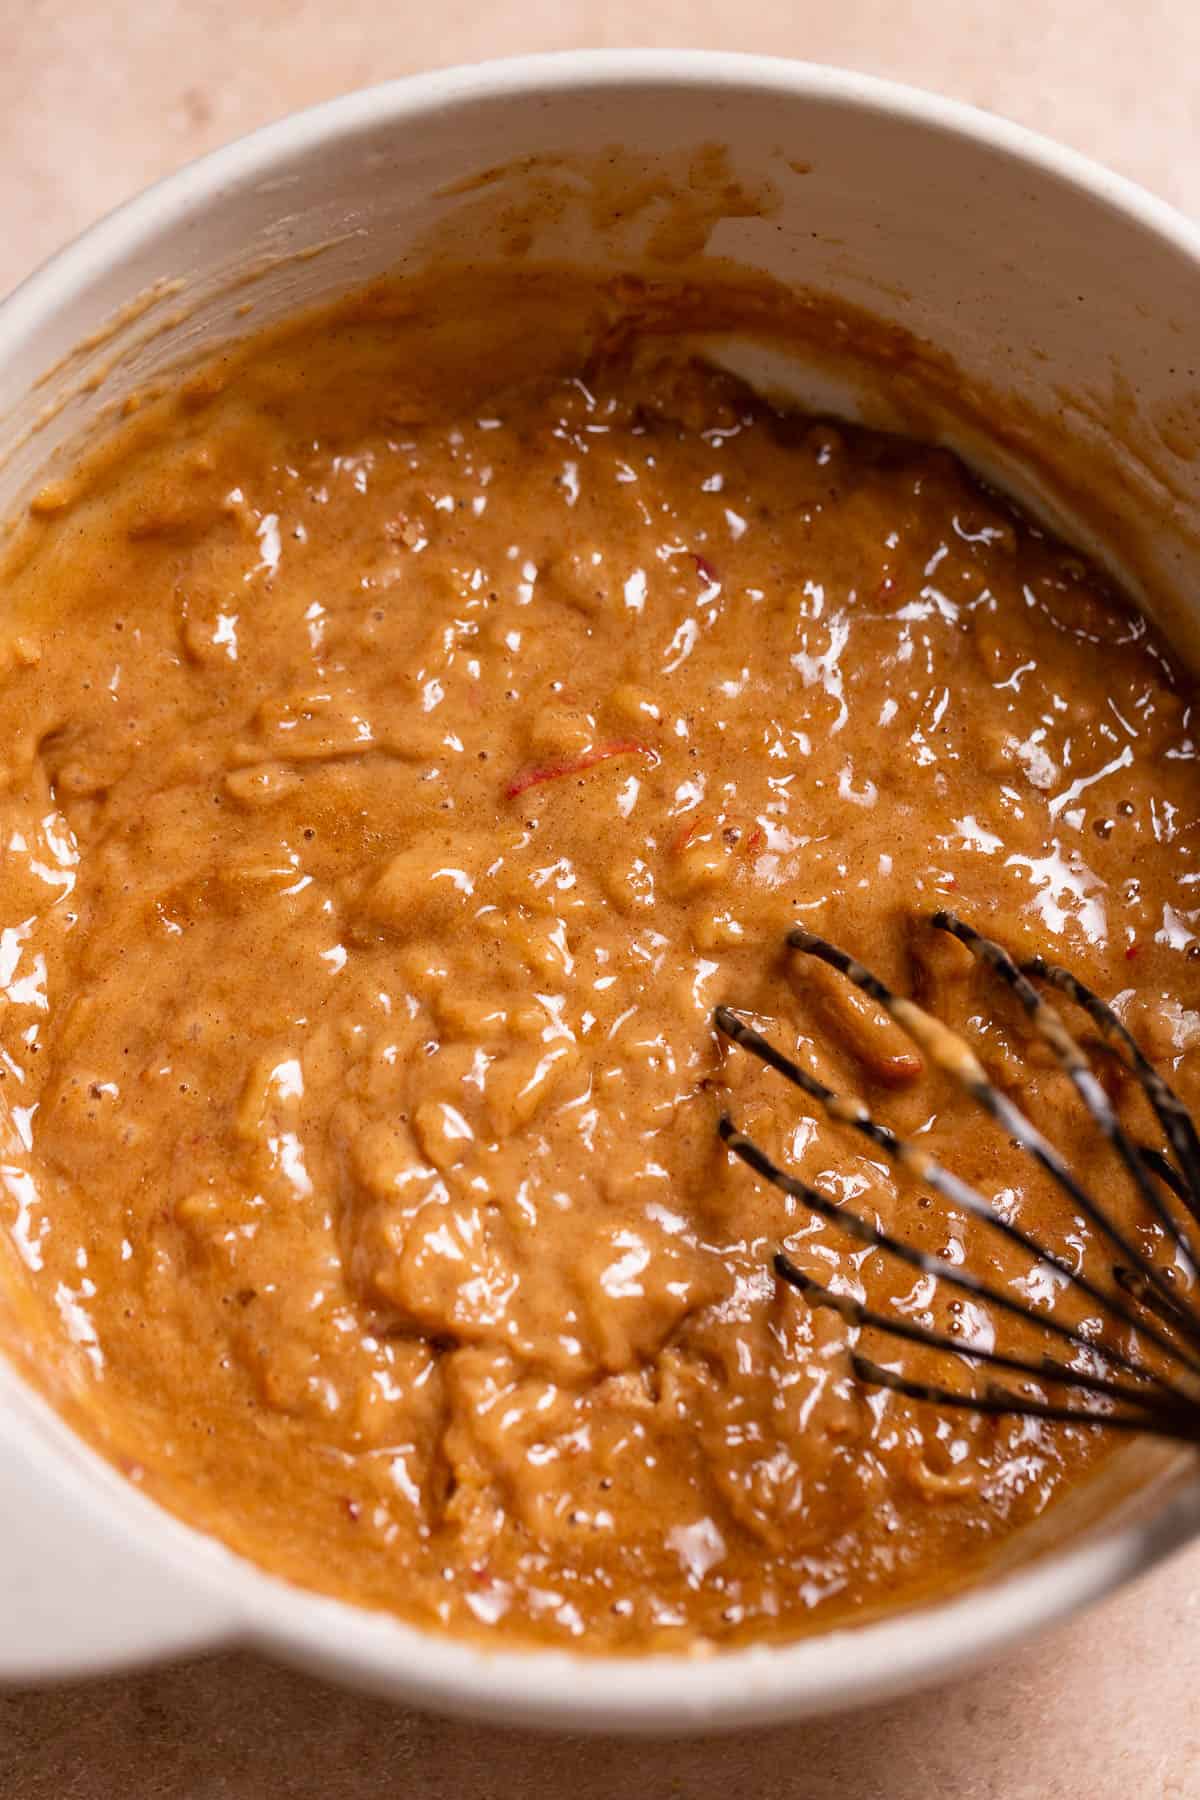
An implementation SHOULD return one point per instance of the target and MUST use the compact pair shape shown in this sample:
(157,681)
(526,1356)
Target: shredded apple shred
(405,751)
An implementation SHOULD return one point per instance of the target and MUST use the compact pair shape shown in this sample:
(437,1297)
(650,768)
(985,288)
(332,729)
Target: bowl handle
(80,1592)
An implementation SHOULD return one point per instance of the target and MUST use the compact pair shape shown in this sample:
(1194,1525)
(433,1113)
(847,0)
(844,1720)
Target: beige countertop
(96,101)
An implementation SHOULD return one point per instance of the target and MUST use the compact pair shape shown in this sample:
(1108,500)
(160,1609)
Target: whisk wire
(1001,1402)
(1177,1123)
(865,1317)
(927,1169)
(866,1232)
(1121,1390)
(954,1056)
(1050,1027)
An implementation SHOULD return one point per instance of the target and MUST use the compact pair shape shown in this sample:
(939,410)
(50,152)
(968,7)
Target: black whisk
(1151,1385)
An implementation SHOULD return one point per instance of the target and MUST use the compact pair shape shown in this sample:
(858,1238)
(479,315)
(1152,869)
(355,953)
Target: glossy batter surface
(394,782)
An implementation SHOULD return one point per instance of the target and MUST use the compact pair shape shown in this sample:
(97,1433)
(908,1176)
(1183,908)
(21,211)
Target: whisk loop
(1120,1388)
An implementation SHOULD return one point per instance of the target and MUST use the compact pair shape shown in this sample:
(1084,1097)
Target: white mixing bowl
(1069,296)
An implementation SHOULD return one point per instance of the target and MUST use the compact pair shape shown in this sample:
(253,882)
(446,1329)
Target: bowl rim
(257,153)
(762,1683)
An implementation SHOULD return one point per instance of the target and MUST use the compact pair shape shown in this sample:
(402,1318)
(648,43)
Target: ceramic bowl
(1066,300)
